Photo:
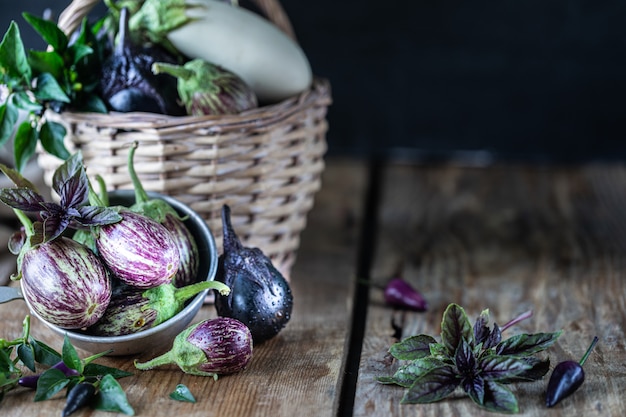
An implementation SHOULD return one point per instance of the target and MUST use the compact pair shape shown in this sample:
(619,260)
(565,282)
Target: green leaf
(13,60)
(433,386)
(527,344)
(80,51)
(496,367)
(94,369)
(413,347)
(52,138)
(46,61)
(48,89)
(49,31)
(24,145)
(499,398)
(24,101)
(70,356)
(94,103)
(182,393)
(455,327)
(44,354)
(50,382)
(8,119)
(112,397)
(406,375)
(27,355)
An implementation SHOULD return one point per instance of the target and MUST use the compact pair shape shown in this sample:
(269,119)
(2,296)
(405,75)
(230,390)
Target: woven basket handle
(71,18)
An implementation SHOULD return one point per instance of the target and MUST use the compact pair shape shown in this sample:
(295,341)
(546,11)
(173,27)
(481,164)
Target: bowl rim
(194,304)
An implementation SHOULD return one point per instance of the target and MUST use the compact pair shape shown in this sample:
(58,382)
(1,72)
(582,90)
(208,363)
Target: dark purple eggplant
(65,283)
(30,381)
(212,347)
(138,250)
(78,397)
(567,377)
(132,309)
(205,88)
(160,211)
(128,83)
(400,294)
(260,296)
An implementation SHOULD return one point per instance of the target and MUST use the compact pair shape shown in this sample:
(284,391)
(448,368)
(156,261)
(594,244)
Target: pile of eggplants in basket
(124,270)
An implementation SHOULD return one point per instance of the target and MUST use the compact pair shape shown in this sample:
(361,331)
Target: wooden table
(504,237)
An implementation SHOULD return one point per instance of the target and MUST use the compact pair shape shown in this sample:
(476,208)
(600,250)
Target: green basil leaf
(47,61)
(24,145)
(496,367)
(48,89)
(70,356)
(27,355)
(94,369)
(52,136)
(112,397)
(13,61)
(44,354)
(527,344)
(49,32)
(455,327)
(8,118)
(433,386)
(413,347)
(182,393)
(499,398)
(50,382)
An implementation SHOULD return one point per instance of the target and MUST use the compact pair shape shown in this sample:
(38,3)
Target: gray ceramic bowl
(160,336)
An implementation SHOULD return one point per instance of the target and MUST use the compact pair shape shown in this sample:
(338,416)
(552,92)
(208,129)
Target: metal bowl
(162,335)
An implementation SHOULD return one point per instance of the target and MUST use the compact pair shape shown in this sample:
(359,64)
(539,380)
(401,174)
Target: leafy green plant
(63,76)
(474,358)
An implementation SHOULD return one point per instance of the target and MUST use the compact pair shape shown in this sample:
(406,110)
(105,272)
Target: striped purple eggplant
(189,262)
(138,250)
(65,283)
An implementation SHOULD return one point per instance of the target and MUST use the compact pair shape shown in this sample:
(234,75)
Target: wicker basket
(265,163)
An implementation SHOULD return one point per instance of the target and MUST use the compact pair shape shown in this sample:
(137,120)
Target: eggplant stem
(525,315)
(141,196)
(164,359)
(26,222)
(588,352)
(188,291)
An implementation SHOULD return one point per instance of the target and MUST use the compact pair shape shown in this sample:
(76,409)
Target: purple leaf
(499,398)
(67,170)
(433,386)
(474,386)
(527,344)
(16,178)
(494,337)
(24,199)
(495,367)
(97,216)
(481,330)
(54,226)
(464,359)
(413,347)
(455,326)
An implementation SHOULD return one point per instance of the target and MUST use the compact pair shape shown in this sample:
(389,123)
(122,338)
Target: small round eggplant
(132,309)
(138,250)
(212,347)
(260,296)
(65,283)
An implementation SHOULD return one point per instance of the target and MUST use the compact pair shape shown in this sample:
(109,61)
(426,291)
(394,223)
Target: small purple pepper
(30,381)
(400,294)
(567,377)
(213,347)
(78,397)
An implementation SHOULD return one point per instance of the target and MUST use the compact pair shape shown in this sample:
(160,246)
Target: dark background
(532,80)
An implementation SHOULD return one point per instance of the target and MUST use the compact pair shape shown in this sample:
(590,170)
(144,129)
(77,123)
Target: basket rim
(318,94)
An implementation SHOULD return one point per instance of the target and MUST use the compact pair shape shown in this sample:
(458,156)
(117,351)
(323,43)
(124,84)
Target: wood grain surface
(508,238)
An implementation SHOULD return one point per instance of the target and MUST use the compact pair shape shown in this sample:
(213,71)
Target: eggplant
(138,250)
(65,283)
(127,82)
(260,296)
(206,88)
(211,347)
(132,310)
(30,381)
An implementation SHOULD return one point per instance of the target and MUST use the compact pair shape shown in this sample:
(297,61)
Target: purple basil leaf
(407,374)
(24,199)
(474,386)
(499,398)
(481,330)
(455,327)
(74,191)
(16,241)
(538,369)
(97,216)
(16,178)
(527,344)
(464,359)
(496,367)
(433,386)
(54,226)
(494,337)
(67,170)
(413,347)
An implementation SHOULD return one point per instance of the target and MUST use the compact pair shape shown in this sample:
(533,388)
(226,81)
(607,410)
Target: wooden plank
(507,238)
(297,373)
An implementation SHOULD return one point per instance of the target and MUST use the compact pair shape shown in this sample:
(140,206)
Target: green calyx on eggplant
(206,89)
(260,296)
(132,309)
(160,211)
(128,84)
